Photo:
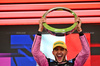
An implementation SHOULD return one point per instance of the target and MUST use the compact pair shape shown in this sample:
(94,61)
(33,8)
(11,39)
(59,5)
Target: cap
(59,43)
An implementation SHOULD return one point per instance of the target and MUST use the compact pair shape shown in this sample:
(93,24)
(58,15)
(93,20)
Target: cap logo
(58,43)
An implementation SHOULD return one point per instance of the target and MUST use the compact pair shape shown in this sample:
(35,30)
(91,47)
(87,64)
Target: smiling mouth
(59,57)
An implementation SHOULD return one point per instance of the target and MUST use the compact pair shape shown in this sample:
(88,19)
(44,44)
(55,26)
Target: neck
(64,61)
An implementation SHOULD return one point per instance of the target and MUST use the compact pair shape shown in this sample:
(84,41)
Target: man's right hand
(41,24)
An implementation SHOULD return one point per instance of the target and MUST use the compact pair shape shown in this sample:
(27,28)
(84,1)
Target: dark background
(6,31)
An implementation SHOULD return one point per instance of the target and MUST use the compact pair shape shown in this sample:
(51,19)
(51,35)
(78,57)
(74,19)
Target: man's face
(59,54)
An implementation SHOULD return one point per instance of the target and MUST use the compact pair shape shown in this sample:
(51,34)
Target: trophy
(61,31)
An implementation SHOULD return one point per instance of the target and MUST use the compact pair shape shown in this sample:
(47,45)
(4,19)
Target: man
(60,50)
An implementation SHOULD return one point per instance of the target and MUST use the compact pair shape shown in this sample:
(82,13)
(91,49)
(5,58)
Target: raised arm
(37,54)
(84,54)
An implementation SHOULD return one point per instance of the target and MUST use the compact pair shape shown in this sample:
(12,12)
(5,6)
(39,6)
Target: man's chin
(59,60)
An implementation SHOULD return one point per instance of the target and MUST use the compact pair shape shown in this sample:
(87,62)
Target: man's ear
(53,52)
(66,52)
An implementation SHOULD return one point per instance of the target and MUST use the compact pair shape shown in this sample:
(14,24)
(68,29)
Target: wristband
(81,33)
(39,33)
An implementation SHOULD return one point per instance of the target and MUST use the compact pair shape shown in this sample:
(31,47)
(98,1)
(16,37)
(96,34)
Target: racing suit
(43,61)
